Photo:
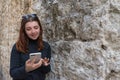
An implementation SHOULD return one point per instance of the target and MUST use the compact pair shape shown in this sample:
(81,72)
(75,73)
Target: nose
(33,31)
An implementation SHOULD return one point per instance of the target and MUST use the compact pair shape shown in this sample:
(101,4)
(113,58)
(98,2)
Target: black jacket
(18,59)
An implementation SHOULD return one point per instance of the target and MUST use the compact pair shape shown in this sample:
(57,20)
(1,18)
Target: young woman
(30,41)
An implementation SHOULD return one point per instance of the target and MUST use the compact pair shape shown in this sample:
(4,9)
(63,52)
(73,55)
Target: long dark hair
(23,40)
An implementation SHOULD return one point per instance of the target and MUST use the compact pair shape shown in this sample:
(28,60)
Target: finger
(45,58)
(41,59)
(28,61)
(46,64)
(36,65)
(48,59)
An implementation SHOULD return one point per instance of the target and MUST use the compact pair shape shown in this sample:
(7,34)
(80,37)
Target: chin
(34,38)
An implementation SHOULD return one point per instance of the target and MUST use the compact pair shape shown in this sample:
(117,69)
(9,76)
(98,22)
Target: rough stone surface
(84,36)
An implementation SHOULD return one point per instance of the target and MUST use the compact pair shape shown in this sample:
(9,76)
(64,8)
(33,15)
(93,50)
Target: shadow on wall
(0,75)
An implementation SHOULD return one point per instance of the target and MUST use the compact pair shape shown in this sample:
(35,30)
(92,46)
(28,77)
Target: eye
(36,27)
(28,29)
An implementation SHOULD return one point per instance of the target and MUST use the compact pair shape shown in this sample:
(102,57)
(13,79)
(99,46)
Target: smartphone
(36,56)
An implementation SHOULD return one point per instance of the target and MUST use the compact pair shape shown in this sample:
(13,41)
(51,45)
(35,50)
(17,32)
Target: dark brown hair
(23,39)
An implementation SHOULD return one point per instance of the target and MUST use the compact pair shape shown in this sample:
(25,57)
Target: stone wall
(84,36)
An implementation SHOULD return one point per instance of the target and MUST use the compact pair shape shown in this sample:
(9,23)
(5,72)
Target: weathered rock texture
(84,36)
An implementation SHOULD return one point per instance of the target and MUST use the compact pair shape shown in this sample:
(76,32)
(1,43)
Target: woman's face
(32,30)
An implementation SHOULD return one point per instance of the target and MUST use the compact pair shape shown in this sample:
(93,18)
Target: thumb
(28,61)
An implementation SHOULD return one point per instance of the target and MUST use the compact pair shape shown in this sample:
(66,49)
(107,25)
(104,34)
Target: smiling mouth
(33,35)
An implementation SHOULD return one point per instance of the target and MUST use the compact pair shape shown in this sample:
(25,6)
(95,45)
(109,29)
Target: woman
(30,41)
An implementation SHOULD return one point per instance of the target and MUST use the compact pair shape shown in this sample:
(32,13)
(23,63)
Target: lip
(34,36)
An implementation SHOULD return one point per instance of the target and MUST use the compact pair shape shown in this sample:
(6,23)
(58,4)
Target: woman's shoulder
(14,46)
(46,44)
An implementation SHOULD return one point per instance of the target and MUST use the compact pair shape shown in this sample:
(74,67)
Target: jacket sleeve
(46,69)
(16,71)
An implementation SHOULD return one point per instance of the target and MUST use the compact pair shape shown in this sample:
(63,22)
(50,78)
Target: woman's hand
(32,65)
(46,61)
